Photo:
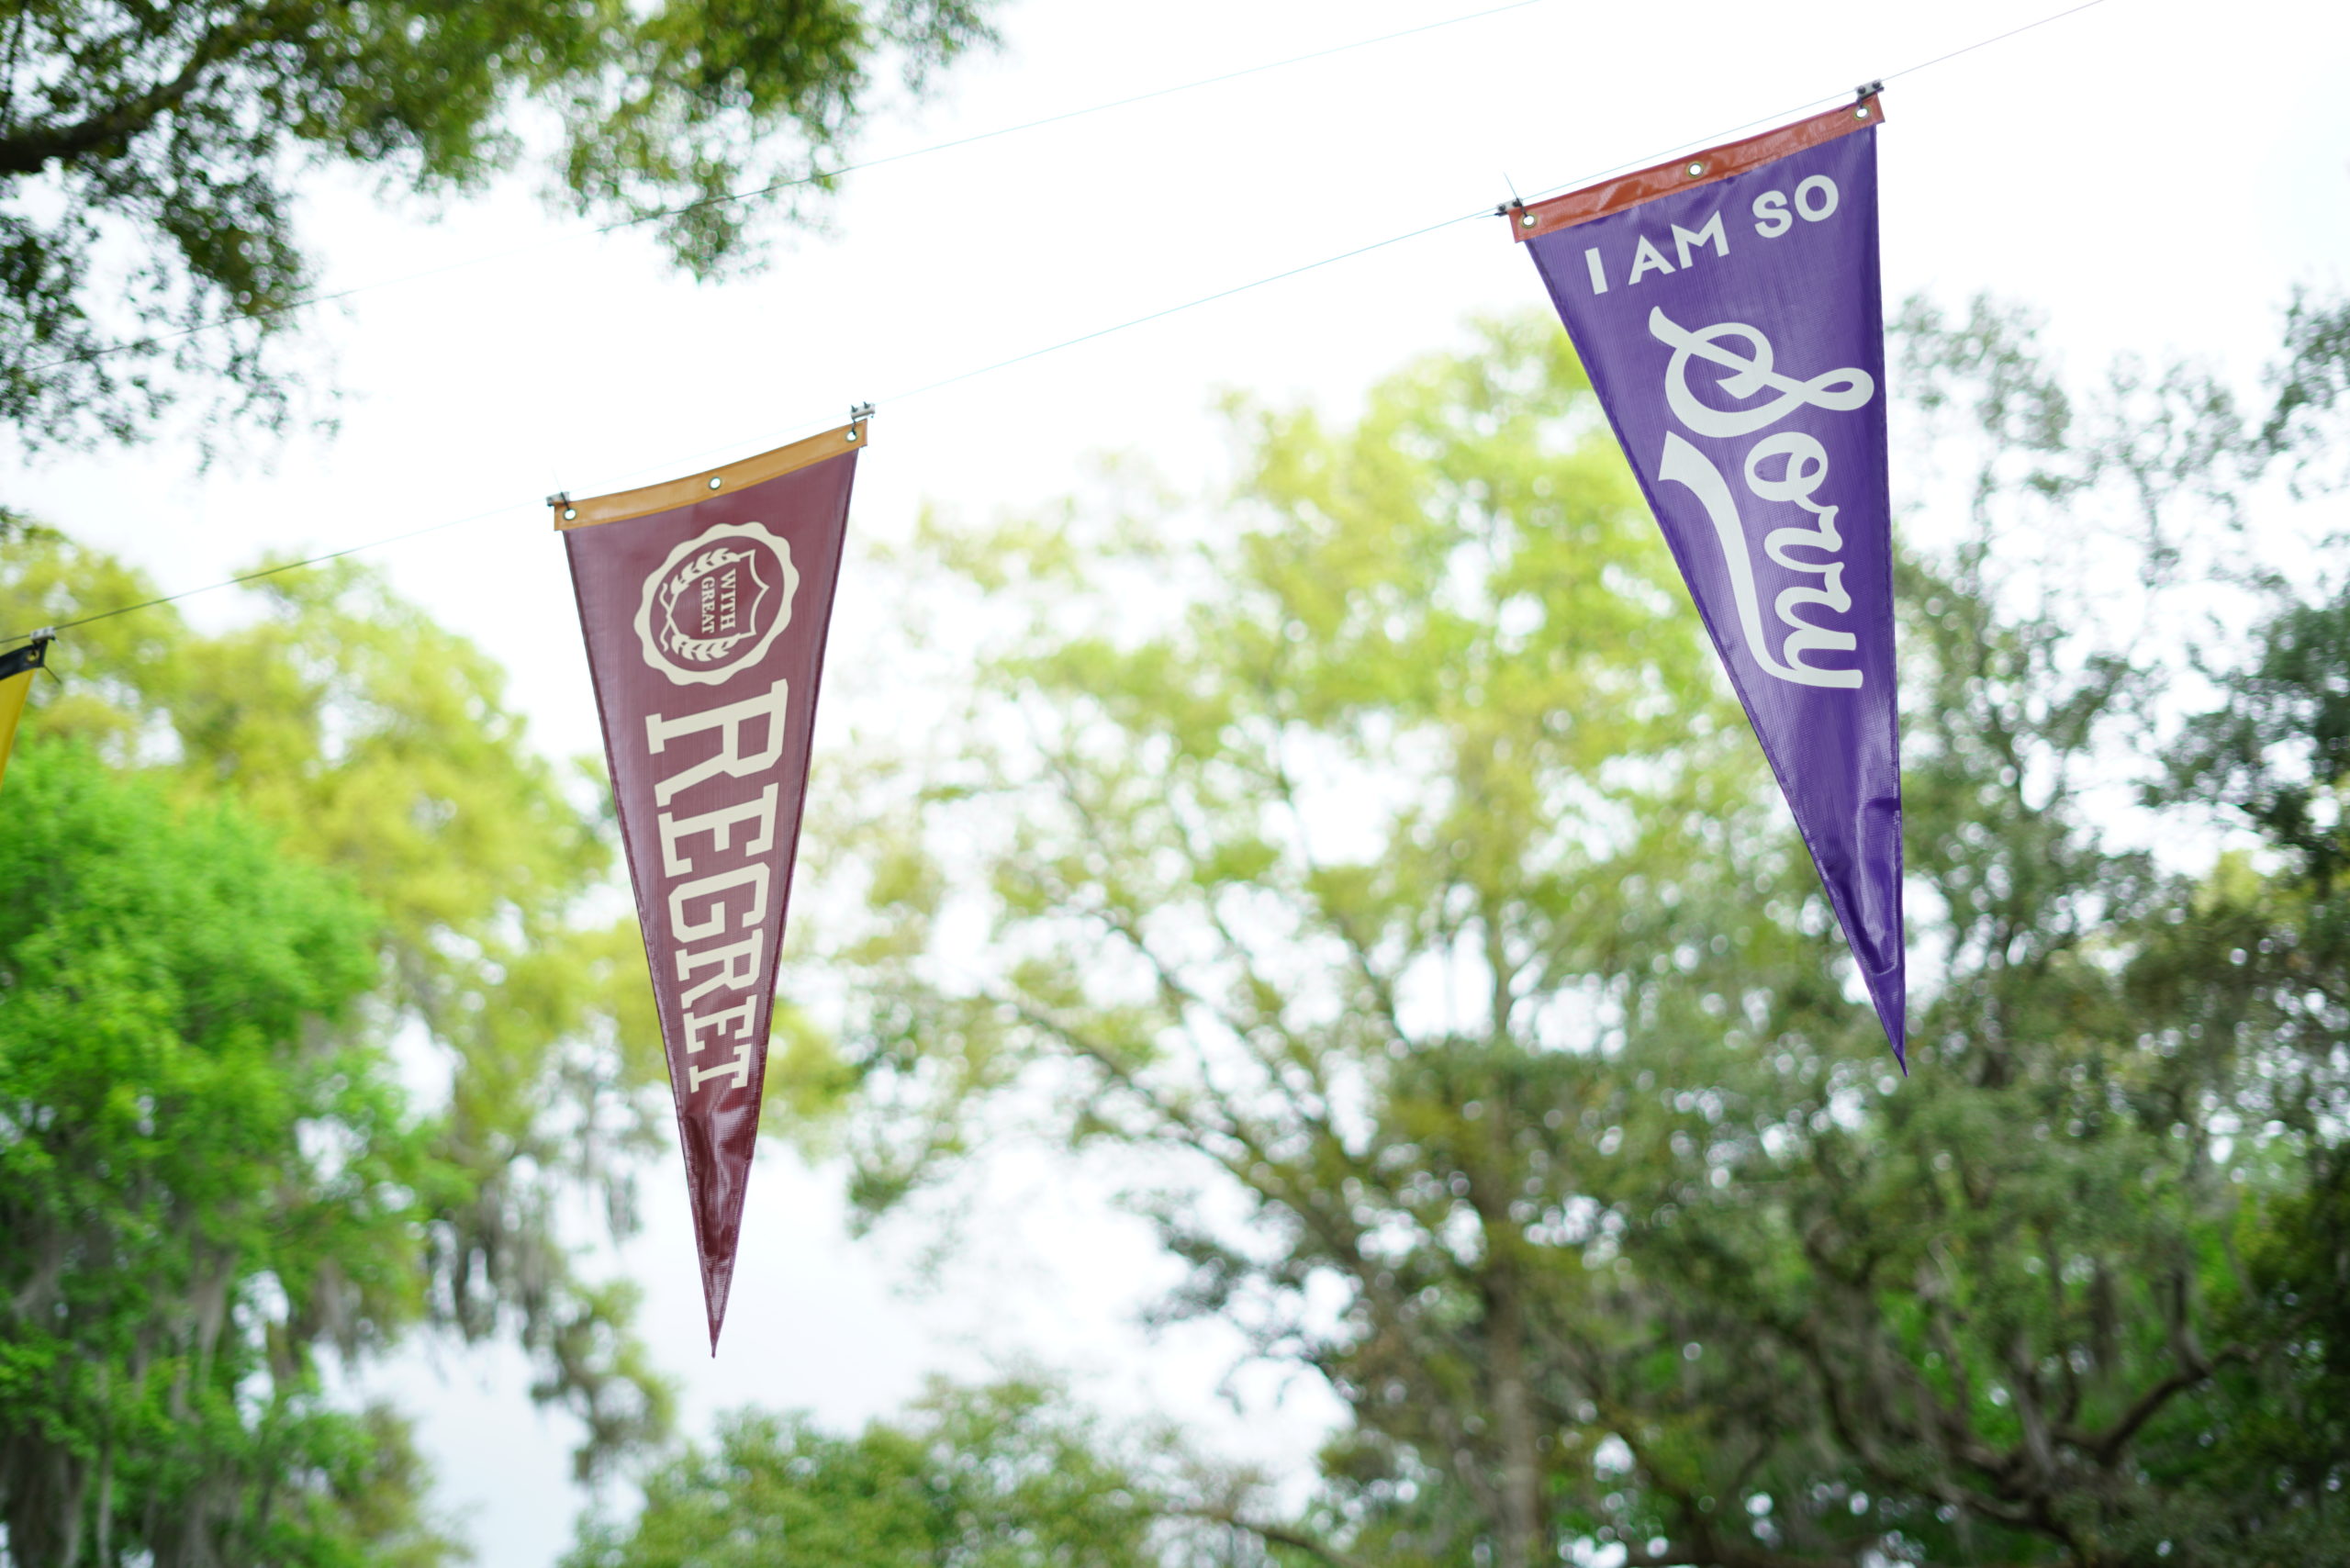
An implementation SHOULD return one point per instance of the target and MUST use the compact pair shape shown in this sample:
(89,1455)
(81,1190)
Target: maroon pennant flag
(705,602)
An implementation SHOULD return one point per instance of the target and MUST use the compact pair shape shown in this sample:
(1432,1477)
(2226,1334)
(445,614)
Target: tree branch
(1715,1553)
(1272,1535)
(31,150)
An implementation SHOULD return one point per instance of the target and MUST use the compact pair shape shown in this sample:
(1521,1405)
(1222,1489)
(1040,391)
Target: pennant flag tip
(716,1286)
(1889,995)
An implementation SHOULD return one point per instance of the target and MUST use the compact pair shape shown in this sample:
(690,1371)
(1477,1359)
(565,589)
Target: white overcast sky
(2156,175)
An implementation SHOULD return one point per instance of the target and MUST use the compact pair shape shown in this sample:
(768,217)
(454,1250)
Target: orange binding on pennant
(1531,222)
(626,504)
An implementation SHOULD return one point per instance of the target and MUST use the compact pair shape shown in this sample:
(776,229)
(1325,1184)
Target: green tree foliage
(1391,860)
(371,742)
(150,153)
(1005,1476)
(200,1178)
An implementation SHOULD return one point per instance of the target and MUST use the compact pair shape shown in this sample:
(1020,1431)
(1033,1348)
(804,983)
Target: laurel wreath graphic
(699,650)
(687,660)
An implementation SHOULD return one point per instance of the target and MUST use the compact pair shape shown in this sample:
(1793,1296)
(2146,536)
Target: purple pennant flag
(1727,308)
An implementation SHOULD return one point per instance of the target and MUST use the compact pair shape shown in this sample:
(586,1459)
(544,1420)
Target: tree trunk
(1523,1542)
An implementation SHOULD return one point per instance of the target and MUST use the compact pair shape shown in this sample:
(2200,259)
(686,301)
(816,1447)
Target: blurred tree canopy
(150,155)
(1008,1475)
(363,739)
(1388,854)
(199,1177)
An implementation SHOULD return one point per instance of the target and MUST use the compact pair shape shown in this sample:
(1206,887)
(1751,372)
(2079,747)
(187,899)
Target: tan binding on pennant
(1534,219)
(672,494)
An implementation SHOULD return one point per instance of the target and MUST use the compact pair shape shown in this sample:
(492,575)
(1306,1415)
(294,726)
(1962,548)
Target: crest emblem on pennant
(717,603)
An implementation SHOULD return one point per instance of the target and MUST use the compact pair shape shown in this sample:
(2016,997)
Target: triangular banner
(1727,308)
(705,602)
(17,668)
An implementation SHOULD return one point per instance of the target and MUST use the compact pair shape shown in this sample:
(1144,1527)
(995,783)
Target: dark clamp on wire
(857,414)
(1866,90)
(33,656)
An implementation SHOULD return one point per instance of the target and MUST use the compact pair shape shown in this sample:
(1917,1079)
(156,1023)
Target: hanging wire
(1079,114)
(1722,136)
(692,459)
(817,176)
(254,576)
(1484,211)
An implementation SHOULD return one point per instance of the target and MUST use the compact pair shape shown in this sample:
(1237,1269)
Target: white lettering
(1711,229)
(1685,465)
(754,877)
(1598,273)
(737,964)
(1646,260)
(1821,187)
(740,1065)
(736,1018)
(1771,216)
(738,1021)
(1808,636)
(1749,374)
(720,824)
(1806,467)
(1801,468)
(730,759)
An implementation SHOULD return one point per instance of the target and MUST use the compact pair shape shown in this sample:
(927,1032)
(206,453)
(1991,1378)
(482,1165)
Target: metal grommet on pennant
(1695,168)
(715,481)
(857,414)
